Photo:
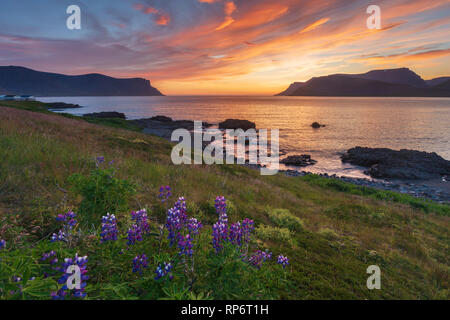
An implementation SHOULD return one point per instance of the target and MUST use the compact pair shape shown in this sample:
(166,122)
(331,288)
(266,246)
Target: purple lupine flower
(162,270)
(77,293)
(220,235)
(2,244)
(220,229)
(164,193)
(185,245)
(194,226)
(284,261)
(259,258)
(140,263)
(220,205)
(49,257)
(69,222)
(141,219)
(235,234)
(99,160)
(52,260)
(176,220)
(109,228)
(247,226)
(134,234)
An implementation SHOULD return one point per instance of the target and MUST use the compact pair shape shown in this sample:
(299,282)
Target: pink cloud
(161,18)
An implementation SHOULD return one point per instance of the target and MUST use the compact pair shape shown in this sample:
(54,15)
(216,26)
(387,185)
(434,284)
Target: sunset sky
(224,46)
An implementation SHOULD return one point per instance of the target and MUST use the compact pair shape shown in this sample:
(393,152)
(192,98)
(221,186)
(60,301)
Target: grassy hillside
(340,230)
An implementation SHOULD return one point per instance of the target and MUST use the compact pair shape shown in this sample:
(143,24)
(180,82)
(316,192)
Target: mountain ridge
(386,82)
(21,80)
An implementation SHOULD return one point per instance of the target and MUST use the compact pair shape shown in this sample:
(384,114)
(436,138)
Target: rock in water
(237,124)
(161,118)
(302,160)
(106,114)
(403,164)
(317,125)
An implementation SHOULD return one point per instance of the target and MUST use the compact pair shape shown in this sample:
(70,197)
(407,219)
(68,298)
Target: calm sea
(397,123)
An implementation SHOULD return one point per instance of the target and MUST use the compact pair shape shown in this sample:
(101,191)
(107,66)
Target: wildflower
(69,222)
(52,260)
(77,293)
(164,193)
(176,220)
(99,160)
(134,234)
(247,226)
(284,261)
(141,219)
(235,233)
(220,235)
(140,263)
(109,228)
(2,244)
(50,257)
(259,258)
(162,270)
(185,245)
(194,226)
(220,205)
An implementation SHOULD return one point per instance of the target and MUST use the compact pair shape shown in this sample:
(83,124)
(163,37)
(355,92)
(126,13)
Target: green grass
(345,228)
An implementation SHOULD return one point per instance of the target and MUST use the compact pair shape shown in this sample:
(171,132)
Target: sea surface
(396,123)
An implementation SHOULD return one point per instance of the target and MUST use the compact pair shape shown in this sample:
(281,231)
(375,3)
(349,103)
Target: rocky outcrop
(302,160)
(403,164)
(317,125)
(106,114)
(237,124)
(163,126)
(61,105)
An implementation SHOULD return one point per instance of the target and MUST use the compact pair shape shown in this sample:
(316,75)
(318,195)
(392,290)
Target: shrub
(273,233)
(284,219)
(102,192)
(328,233)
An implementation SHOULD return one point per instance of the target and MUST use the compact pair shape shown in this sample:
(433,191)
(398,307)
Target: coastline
(162,126)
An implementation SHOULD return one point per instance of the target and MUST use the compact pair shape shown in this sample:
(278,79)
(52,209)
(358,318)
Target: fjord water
(396,123)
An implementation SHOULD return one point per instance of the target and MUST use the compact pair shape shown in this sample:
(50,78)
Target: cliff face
(19,80)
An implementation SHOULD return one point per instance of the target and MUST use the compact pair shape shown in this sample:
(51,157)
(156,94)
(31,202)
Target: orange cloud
(229,8)
(161,18)
(315,24)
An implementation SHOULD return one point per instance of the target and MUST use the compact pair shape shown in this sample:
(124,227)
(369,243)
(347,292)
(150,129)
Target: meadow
(63,173)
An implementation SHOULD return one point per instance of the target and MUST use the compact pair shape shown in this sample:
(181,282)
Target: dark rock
(237,124)
(106,114)
(403,164)
(62,105)
(161,119)
(299,160)
(317,125)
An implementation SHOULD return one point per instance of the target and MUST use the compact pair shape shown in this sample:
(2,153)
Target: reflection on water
(397,123)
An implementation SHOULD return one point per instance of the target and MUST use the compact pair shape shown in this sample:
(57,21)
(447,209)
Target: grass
(345,228)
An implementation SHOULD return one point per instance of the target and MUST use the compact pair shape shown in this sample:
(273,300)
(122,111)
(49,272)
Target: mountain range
(23,81)
(401,82)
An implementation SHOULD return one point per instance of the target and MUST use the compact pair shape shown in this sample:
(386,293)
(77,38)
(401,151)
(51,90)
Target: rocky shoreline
(406,171)
(422,189)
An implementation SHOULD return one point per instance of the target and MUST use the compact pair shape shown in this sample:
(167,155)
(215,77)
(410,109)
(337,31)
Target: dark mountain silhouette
(437,81)
(24,81)
(294,86)
(397,76)
(378,83)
